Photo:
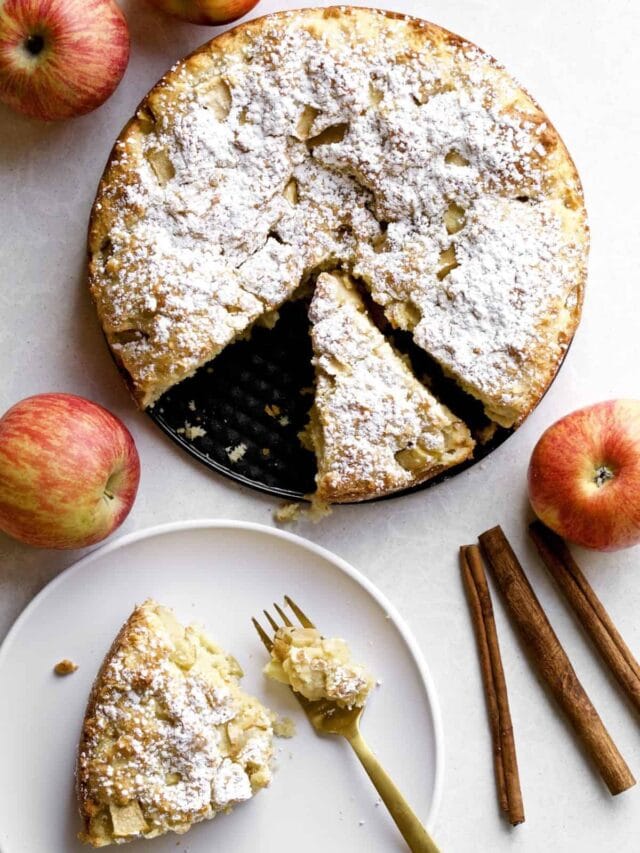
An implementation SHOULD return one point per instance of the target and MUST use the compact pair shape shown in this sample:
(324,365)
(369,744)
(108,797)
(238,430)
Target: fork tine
(271,620)
(262,634)
(283,616)
(304,620)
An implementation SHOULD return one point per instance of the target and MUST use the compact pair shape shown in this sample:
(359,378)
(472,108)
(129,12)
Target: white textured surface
(579,61)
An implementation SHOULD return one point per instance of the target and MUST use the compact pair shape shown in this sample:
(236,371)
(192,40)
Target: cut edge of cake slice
(375,429)
(169,738)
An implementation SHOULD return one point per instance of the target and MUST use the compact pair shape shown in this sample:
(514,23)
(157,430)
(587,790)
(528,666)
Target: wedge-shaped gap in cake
(426,369)
(447,390)
(374,311)
(257,393)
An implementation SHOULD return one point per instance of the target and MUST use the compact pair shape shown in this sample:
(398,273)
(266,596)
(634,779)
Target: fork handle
(412,830)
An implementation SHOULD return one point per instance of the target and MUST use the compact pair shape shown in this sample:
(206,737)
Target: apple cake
(374,428)
(318,667)
(345,139)
(169,737)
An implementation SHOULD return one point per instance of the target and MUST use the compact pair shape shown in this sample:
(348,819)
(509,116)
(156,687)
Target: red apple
(69,471)
(211,12)
(584,476)
(60,58)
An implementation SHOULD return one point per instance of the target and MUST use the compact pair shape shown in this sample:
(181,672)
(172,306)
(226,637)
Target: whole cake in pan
(349,140)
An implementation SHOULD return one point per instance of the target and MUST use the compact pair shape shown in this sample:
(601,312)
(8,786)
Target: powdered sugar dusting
(158,737)
(325,142)
(370,411)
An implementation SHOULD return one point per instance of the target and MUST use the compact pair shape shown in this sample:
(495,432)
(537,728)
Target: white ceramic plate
(217,573)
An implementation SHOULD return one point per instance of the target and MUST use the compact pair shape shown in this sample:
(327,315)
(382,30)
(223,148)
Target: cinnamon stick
(589,610)
(552,662)
(504,750)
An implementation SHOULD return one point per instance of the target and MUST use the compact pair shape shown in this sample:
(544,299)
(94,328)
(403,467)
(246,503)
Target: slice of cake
(374,427)
(169,737)
(318,667)
(489,301)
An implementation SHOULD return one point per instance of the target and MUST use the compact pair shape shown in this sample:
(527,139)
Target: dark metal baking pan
(241,414)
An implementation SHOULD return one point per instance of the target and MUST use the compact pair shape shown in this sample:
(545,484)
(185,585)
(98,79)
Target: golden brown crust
(85,804)
(358,494)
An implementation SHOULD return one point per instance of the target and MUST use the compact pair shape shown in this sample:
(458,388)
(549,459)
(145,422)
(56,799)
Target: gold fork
(330,719)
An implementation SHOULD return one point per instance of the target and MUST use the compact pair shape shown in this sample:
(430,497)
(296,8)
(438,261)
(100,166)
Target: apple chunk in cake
(374,427)
(318,667)
(169,737)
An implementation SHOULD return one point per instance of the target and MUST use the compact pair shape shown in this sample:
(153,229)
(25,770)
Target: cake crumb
(318,510)
(486,433)
(236,453)
(191,405)
(192,432)
(273,410)
(265,452)
(290,512)
(284,421)
(65,667)
(286,513)
(284,727)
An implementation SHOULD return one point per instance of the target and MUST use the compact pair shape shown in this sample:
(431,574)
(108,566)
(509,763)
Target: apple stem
(603,475)
(34,44)
(109,493)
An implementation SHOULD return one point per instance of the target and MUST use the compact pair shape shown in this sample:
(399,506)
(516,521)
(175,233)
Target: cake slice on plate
(374,427)
(169,737)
